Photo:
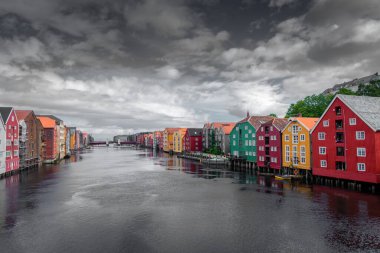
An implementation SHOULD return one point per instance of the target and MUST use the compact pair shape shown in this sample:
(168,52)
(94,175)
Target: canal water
(126,200)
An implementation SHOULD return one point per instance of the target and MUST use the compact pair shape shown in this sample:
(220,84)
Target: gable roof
(306,122)
(5,112)
(194,131)
(227,128)
(279,123)
(367,108)
(171,130)
(256,121)
(22,114)
(47,122)
(52,117)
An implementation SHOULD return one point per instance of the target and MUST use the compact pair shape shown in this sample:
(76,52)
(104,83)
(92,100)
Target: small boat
(283,177)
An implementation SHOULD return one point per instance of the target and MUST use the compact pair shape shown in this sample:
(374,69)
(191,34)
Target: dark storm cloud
(120,66)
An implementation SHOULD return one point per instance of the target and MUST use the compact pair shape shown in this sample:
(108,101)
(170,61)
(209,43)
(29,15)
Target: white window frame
(320,150)
(359,135)
(352,121)
(326,123)
(303,154)
(361,152)
(302,137)
(321,136)
(361,167)
(287,137)
(294,129)
(323,163)
(287,153)
(295,139)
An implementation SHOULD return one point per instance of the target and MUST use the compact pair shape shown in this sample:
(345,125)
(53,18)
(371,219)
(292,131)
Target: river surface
(126,200)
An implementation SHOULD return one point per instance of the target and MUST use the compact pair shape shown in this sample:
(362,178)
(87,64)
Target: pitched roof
(279,123)
(47,122)
(309,123)
(256,121)
(171,130)
(22,114)
(52,117)
(194,131)
(221,124)
(227,128)
(367,108)
(5,112)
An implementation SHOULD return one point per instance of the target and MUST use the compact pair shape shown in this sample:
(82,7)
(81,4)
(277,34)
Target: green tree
(273,115)
(310,106)
(346,91)
(372,89)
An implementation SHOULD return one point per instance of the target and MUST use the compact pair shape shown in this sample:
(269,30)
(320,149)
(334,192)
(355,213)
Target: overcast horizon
(114,67)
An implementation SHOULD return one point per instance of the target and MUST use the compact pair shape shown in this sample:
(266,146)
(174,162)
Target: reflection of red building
(193,140)
(346,140)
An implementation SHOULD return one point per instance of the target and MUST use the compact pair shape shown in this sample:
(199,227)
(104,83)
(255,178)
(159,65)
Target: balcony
(267,151)
(266,130)
(266,140)
(339,124)
(339,137)
(340,151)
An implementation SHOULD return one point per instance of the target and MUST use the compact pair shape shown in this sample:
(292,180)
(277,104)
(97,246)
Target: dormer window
(338,110)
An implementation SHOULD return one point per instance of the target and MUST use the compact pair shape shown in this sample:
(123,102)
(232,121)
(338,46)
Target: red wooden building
(193,140)
(268,141)
(50,140)
(346,140)
(12,159)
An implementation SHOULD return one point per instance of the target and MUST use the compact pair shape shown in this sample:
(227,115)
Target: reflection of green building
(243,137)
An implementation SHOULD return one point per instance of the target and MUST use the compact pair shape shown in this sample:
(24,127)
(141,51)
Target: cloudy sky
(119,66)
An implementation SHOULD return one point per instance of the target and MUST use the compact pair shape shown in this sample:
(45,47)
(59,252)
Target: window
(13,118)
(16,142)
(339,124)
(360,135)
(253,143)
(234,143)
(340,165)
(352,121)
(250,143)
(295,159)
(339,151)
(323,163)
(302,137)
(338,110)
(326,123)
(246,135)
(321,136)
(295,139)
(271,128)
(273,159)
(274,137)
(246,142)
(339,138)
(303,154)
(253,153)
(253,136)
(287,153)
(361,166)
(249,131)
(233,136)
(15,153)
(262,129)
(8,153)
(286,137)
(275,149)
(8,142)
(361,152)
(294,129)
(246,152)
(322,150)
(246,127)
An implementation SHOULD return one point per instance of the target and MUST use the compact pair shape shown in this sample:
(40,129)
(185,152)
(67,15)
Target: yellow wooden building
(178,140)
(168,139)
(296,145)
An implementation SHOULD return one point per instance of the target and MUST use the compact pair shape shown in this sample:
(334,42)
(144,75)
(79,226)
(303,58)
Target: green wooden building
(243,137)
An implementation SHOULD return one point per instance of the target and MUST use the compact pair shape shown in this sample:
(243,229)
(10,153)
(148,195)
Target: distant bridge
(99,143)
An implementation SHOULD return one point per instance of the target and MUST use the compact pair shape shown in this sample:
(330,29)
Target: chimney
(299,115)
(247,114)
